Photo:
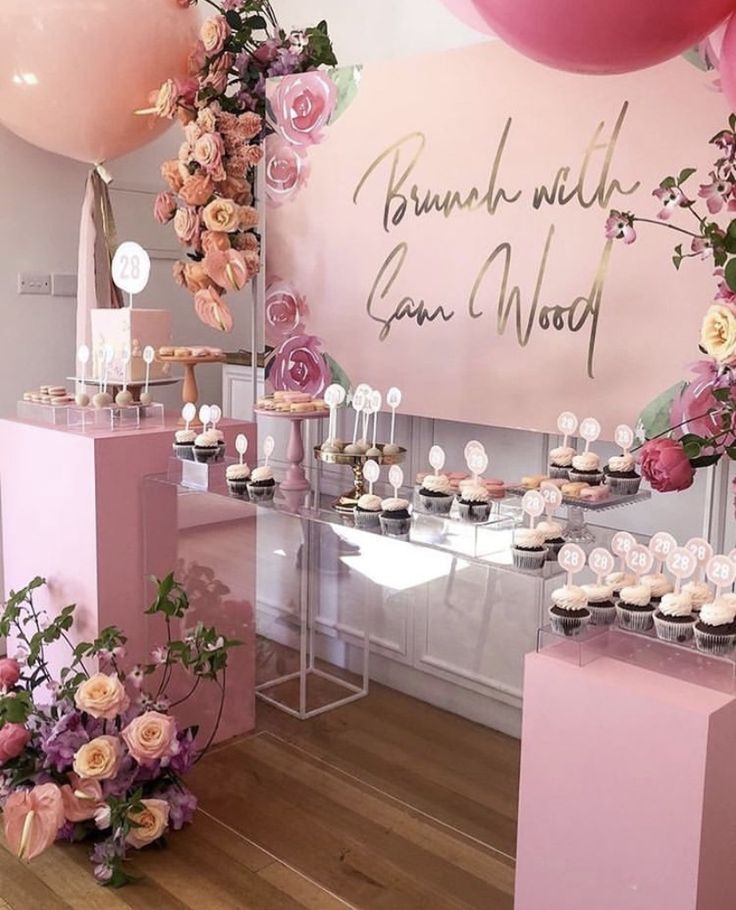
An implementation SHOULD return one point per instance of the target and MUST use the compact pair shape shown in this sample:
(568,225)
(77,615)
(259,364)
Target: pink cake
(133,329)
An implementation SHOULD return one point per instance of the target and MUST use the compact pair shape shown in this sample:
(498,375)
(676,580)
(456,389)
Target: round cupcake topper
(215,414)
(149,355)
(601,562)
(590,430)
(552,496)
(437,458)
(572,559)
(241,445)
(624,437)
(473,446)
(83,355)
(205,415)
(703,552)
(362,389)
(477,463)
(393,400)
(376,402)
(721,571)
(358,405)
(621,544)
(371,472)
(125,359)
(131,268)
(681,563)
(533,504)
(269,445)
(640,560)
(567,424)
(333,400)
(396,479)
(661,545)
(188,413)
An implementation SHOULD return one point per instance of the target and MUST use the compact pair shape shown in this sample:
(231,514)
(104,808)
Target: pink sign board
(437,223)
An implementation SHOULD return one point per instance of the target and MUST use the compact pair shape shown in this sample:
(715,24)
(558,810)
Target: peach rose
(99,759)
(236,188)
(251,243)
(222,215)
(208,154)
(150,823)
(82,799)
(167,99)
(214,241)
(718,335)
(227,269)
(151,737)
(102,696)
(170,173)
(248,217)
(192,276)
(250,125)
(253,155)
(164,208)
(186,224)
(207,120)
(214,33)
(197,189)
(212,310)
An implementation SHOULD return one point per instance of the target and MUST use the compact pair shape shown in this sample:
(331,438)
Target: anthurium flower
(212,310)
(227,269)
(32,820)
(82,799)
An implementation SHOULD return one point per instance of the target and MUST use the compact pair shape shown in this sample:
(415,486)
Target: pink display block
(627,799)
(72,512)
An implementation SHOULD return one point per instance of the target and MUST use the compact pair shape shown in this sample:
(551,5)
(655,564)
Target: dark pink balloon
(727,63)
(466,12)
(603,36)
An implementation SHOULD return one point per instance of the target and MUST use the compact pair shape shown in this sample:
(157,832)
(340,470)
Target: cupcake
(435,494)
(367,514)
(560,461)
(395,518)
(699,592)
(586,468)
(675,620)
(553,539)
(621,475)
(715,630)
(184,444)
(237,478)
(473,501)
(659,585)
(529,550)
(207,447)
(601,604)
(569,613)
(618,580)
(635,610)
(262,486)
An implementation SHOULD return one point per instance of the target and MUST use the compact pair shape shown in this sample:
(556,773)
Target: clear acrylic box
(55,415)
(115,417)
(207,477)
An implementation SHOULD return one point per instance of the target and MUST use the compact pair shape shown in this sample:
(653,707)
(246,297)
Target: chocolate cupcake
(715,630)
(395,518)
(635,610)
(473,502)
(262,486)
(659,585)
(601,604)
(553,539)
(435,494)
(367,513)
(675,620)
(569,613)
(560,462)
(586,468)
(529,550)
(699,592)
(184,444)
(207,447)
(621,475)
(619,580)
(237,476)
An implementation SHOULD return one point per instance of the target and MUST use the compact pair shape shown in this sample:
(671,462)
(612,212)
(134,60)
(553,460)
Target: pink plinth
(627,799)
(72,513)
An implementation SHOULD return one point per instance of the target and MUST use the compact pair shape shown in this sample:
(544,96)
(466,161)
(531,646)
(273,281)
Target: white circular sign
(590,429)
(189,412)
(241,443)
(359,401)
(533,503)
(83,354)
(393,397)
(552,495)
(567,423)
(572,558)
(371,471)
(205,414)
(601,562)
(721,570)
(131,267)
(478,463)
(622,543)
(682,562)
(661,545)
(702,550)
(269,445)
(396,476)
(473,446)
(149,355)
(437,458)
(332,396)
(640,560)
(624,436)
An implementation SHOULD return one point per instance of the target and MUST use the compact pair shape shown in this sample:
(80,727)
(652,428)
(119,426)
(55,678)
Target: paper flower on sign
(299,365)
(287,170)
(302,105)
(285,308)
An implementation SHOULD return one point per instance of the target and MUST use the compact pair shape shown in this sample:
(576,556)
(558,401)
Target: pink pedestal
(72,513)
(627,797)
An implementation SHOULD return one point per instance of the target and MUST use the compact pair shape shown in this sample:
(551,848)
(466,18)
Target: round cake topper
(622,543)
(721,571)
(601,562)
(189,412)
(473,446)
(358,401)
(572,559)
(533,503)
(269,444)
(681,562)
(396,478)
(437,458)
(393,397)
(376,401)
(372,471)
(205,415)
(624,437)
(362,389)
(590,429)
(149,355)
(332,395)
(215,414)
(83,354)
(108,354)
(241,444)
(567,423)
(552,497)
(477,463)
(701,548)
(661,545)
(640,560)
(131,268)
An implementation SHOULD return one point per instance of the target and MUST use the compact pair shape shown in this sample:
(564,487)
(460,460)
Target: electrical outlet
(64,285)
(34,283)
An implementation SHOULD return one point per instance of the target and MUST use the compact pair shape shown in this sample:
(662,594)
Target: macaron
(574,489)
(595,494)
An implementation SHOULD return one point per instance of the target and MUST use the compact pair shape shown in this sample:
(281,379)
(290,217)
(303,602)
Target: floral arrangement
(222,107)
(104,759)
(691,425)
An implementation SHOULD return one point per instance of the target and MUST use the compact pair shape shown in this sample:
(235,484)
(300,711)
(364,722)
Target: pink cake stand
(295,480)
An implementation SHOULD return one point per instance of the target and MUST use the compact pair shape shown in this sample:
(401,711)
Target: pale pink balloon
(603,36)
(727,64)
(466,12)
(72,72)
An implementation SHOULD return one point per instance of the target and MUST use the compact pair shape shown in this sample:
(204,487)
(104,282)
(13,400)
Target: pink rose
(188,89)
(32,820)
(227,269)
(253,155)
(299,365)
(303,104)
(187,225)
(102,696)
(9,672)
(212,310)
(287,170)
(151,738)
(665,465)
(284,310)
(13,740)
(214,33)
(197,189)
(219,73)
(208,153)
(164,208)
(197,59)
(81,799)
(248,217)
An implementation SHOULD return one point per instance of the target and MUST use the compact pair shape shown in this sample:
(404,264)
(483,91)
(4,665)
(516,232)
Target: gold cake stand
(347,502)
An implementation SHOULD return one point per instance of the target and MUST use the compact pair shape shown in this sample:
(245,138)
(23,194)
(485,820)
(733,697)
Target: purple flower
(61,740)
(182,762)
(715,193)
(66,833)
(701,245)
(287,62)
(620,226)
(182,805)
(671,198)
(104,855)
(725,140)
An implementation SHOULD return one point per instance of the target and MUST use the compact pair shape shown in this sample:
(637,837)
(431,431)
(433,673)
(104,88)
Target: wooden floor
(385,804)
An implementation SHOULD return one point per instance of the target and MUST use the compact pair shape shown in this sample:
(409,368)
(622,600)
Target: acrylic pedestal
(71,512)
(627,799)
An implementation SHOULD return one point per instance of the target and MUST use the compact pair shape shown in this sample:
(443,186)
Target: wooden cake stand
(296,479)
(190,390)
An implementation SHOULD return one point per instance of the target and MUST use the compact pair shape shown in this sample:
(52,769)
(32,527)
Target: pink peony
(299,365)
(164,208)
(285,308)
(303,104)
(212,310)
(287,170)
(665,465)
(32,820)
(227,269)
(13,740)
(9,672)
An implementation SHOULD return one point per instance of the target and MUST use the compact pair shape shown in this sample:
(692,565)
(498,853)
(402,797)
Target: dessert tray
(348,500)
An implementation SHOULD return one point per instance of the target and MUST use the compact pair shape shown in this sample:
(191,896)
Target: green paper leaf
(655,418)
(730,274)
(347,79)
(338,373)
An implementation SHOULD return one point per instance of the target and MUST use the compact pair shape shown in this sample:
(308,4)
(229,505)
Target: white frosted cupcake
(601,604)
(569,613)
(529,550)
(237,476)
(184,444)
(473,501)
(367,514)
(435,494)
(635,610)
(586,468)
(619,580)
(674,620)
(207,446)
(560,461)
(395,517)
(659,585)
(715,630)
(621,475)
(262,486)
(700,593)
(553,539)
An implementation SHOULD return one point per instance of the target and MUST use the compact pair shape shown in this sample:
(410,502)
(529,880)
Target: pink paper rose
(212,310)
(665,465)
(9,672)
(302,105)
(690,412)
(164,208)
(285,308)
(299,365)
(13,740)
(32,820)
(151,738)
(287,170)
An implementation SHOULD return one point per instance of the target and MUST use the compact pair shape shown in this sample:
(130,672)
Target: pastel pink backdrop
(330,248)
